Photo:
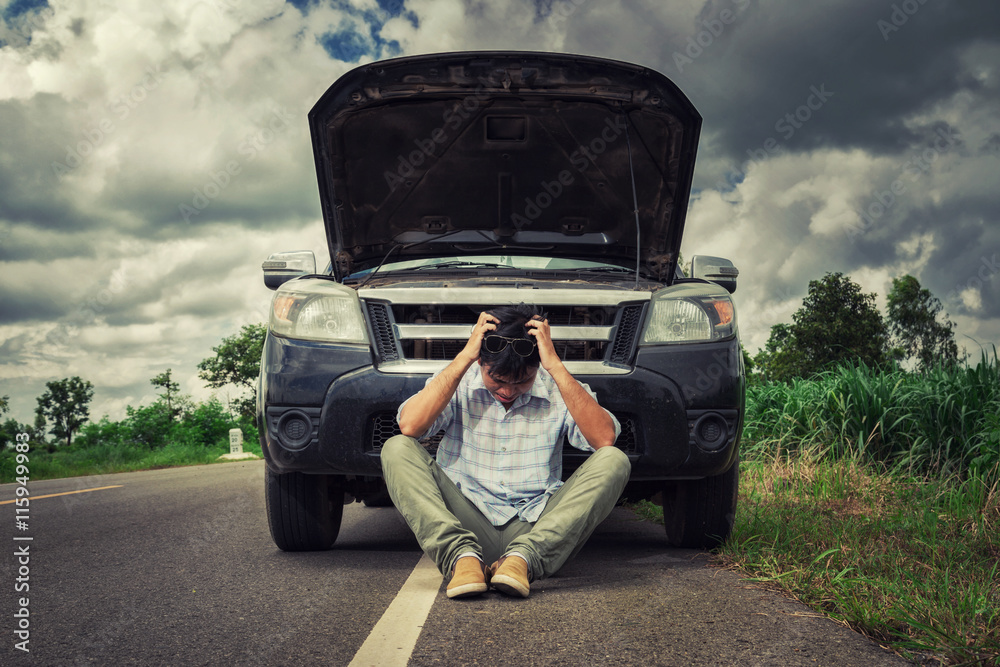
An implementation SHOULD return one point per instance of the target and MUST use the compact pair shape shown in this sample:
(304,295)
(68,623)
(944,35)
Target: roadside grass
(910,562)
(102,459)
(149,437)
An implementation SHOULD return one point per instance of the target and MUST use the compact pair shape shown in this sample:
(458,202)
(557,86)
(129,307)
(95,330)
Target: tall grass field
(943,422)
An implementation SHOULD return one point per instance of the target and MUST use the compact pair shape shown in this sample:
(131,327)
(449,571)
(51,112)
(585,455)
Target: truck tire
(699,513)
(303,511)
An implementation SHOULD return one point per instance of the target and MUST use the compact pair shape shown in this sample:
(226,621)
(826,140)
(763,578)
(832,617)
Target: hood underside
(504,152)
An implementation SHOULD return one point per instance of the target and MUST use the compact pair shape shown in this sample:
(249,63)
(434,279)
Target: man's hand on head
(423,408)
(485,323)
(595,423)
(539,328)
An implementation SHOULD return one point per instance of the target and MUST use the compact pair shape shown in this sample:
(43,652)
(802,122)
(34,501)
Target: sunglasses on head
(495,343)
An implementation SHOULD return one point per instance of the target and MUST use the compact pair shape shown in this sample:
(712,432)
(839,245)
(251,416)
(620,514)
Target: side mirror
(281,267)
(715,269)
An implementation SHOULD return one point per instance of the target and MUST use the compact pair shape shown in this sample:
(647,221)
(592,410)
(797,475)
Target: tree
(237,361)
(779,359)
(170,389)
(65,404)
(40,425)
(9,428)
(150,425)
(836,322)
(8,432)
(913,323)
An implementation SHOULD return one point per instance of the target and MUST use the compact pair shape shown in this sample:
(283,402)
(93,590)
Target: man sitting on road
(495,494)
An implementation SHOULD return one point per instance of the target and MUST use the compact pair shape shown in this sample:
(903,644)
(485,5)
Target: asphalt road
(177,567)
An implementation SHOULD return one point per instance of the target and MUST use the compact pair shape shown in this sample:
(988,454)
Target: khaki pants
(447,524)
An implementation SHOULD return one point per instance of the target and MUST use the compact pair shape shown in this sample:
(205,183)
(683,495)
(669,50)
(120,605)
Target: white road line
(392,639)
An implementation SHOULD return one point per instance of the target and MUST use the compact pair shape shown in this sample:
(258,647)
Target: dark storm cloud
(35,136)
(252,174)
(196,201)
(252,178)
(966,255)
(19,306)
(23,241)
(68,291)
(876,83)
(754,69)
(991,146)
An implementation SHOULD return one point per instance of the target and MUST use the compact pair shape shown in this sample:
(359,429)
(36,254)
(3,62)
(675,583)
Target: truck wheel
(303,511)
(699,513)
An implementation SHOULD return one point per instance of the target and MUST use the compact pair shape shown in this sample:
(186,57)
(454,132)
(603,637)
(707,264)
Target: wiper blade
(449,265)
(613,269)
(607,269)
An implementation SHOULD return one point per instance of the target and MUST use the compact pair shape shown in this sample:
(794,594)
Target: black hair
(506,363)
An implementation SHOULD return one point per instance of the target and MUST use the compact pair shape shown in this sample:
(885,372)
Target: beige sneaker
(467,579)
(509,575)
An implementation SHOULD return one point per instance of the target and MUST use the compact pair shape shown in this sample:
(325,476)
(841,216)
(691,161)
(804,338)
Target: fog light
(295,429)
(711,431)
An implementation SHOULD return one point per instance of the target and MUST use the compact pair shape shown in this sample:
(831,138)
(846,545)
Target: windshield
(491,261)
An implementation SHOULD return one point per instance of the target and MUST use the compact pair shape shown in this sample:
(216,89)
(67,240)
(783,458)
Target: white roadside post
(236,452)
(235,441)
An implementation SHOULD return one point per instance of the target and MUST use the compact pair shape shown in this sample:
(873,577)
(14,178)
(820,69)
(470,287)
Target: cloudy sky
(847,135)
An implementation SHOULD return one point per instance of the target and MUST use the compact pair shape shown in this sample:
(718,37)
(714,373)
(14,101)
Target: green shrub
(148,426)
(207,424)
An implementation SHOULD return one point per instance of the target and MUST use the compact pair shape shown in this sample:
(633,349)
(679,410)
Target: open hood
(504,153)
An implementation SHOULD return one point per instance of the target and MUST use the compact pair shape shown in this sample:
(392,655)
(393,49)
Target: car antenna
(635,201)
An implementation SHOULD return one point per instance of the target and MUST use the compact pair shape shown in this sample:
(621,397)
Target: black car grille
(627,440)
(446,330)
(383,426)
(625,338)
(385,341)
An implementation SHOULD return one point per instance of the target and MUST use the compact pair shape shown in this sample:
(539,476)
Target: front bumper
(326,409)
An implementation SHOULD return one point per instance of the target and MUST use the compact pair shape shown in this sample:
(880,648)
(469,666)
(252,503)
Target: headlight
(318,310)
(690,319)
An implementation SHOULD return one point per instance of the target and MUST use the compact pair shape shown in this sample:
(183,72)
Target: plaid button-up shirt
(507,462)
